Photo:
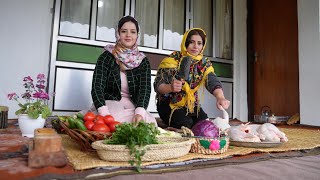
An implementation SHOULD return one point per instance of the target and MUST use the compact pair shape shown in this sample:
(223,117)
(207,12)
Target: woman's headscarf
(129,58)
(183,47)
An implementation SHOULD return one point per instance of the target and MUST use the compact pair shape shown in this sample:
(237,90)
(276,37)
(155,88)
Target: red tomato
(112,126)
(108,119)
(89,116)
(101,128)
(99,120)
(89,125)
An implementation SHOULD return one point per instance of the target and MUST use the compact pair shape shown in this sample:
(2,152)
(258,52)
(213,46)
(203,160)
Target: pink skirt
(124,111)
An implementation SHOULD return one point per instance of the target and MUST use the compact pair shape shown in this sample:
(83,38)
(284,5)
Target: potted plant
(33,113)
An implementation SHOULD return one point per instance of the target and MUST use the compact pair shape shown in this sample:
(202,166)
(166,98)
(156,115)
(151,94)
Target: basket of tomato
(85,129)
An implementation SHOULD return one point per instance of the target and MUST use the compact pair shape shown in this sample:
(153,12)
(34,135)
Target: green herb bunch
(135,136)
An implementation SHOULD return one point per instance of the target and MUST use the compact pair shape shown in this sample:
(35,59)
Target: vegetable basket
(168,148)
(84,138)
(207,145)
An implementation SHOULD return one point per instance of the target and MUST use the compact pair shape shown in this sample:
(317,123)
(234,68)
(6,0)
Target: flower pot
(27,125)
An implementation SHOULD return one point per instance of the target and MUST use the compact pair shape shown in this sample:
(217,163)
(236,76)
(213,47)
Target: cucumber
(72,123)
(80,125)
(63,118)
(80,116)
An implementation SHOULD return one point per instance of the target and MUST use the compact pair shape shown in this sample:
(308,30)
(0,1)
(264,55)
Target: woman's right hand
(176,85)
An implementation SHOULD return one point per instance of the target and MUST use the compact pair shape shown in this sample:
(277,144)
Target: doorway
(273,69)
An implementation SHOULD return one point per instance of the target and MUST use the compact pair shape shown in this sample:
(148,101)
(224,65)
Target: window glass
(75,18)
(173,27)
(223,29)
(147,14)
(202,18)
(108,14)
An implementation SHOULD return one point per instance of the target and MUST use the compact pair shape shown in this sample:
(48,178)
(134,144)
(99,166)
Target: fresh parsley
(135,136)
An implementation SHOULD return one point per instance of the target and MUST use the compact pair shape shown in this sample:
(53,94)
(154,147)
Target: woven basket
(168,148)
(199,147)
(84,138)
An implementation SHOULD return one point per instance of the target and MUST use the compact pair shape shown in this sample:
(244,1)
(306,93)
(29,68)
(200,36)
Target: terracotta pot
(27,125)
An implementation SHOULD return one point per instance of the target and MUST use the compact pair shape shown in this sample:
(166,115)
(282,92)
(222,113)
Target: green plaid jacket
(106,82)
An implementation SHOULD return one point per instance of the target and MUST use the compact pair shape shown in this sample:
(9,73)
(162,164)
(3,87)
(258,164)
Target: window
(147,13)
(108,13)
(223,28)
(75,18)
(162,22)
(202,18)
(173,28)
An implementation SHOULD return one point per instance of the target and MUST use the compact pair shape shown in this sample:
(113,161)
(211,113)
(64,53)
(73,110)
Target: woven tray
(201,143)
(84,138)
(256,144)
(168,148)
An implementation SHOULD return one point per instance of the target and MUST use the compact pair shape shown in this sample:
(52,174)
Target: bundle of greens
(135,136)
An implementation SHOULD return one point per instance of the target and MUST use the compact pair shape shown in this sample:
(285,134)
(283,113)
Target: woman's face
(128,34)
(196,45)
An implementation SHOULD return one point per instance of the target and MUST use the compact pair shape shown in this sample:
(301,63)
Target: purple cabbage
(205,128)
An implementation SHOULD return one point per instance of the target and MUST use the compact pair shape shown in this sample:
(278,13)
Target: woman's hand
(176,85)
(222,103)
(137,118)
(103,110)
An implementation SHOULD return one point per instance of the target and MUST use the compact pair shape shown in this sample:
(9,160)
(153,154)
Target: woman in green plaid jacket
(121,83)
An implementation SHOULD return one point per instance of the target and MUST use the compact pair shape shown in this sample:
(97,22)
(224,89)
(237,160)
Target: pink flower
(28,85)
(26,95)
(41,76)
(41,95)
(214,145)
(40,86)
(28,78)
(12,96)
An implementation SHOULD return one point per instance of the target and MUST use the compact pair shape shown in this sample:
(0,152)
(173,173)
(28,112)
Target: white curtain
(75,18)
(223,29)
(173,26)
(108,15)
(147,13)
(202,18)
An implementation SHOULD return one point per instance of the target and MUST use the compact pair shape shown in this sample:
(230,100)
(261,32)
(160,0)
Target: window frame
(129,8)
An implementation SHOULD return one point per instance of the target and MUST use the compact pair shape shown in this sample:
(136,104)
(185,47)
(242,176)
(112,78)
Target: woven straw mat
(299,139)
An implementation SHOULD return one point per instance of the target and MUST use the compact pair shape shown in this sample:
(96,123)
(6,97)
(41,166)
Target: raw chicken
(255,133)
(271,133)
(243,133)
(222,123)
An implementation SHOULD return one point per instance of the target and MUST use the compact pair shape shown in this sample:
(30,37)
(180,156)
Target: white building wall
(240,109)
(24,44)
(309,61)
